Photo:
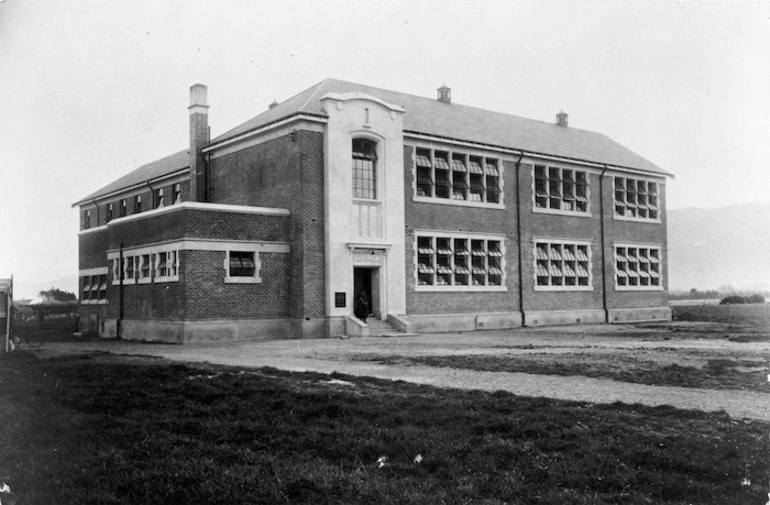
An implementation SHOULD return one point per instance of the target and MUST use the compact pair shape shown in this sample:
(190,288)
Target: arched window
(364,169)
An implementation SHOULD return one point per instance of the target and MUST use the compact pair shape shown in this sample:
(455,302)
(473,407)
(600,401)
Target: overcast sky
(91,89)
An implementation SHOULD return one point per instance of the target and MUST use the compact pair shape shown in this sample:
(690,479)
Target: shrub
(733,299)
(756,299)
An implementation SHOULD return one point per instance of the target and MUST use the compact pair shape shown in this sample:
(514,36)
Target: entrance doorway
(367,279)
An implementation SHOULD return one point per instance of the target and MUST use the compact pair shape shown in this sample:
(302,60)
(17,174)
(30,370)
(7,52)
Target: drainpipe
(601,232)
(120,294)
(152,195)
(518,237)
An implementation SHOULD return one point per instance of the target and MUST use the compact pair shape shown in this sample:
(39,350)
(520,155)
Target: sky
(91,90)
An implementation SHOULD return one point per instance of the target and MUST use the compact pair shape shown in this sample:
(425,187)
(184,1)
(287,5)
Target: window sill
(638,288)
(103,301)
(555,212)
(459,289)
(243,280)
(458,203)
(172,278)
(637,219)
(563,289)
(144,280)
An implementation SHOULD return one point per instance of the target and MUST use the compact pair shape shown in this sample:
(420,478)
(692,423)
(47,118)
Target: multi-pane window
(637,267)
(636,198)
(94,287)
(86,288)
(561,189)
(459,261)
(457,176)
(166,265)
(159,198)
(110,212)
(242,264)
(86,219)
(364,169)
(562,265)
(137,204)
(102,287)
(177,193)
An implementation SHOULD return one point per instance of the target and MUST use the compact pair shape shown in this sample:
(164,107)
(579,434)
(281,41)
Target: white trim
(433,235)
(561,212)
(562,241)
(213,207)
(531,154)
(458,203)
(254,279)
(639,245)
(91,230)
(94,271)
(202,245)
(637,219)
(262,129)
(381,246)
(346,97)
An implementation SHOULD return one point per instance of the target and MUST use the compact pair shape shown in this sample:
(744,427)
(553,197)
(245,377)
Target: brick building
(448,217)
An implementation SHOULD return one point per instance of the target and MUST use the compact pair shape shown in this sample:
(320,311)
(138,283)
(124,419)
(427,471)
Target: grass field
(103,429)
(748,373)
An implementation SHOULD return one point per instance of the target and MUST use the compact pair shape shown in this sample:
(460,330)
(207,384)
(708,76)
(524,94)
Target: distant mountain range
(716,248)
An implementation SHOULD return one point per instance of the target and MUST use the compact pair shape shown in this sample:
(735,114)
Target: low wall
(754,312)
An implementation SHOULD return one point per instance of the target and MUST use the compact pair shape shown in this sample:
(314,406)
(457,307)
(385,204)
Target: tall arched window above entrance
(364,169)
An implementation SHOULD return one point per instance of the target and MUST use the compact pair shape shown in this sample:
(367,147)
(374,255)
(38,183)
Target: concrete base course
(640,315)
(556,317)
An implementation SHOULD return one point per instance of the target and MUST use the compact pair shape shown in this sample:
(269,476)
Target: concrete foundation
(555,317)
(640,314)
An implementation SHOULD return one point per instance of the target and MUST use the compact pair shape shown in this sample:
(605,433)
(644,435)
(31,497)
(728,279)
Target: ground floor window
(242,267)
(637,267)
(162,266)
(459,262)
(94,288)
(562,266)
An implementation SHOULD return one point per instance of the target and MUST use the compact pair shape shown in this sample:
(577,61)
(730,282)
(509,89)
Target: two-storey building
(448,217)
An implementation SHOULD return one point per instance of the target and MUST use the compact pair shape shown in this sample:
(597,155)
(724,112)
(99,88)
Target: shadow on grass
(106,429)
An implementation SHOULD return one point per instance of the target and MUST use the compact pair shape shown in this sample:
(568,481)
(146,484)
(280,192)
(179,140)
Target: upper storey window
(636,199)
(364,169)
(457,176)
(561,189)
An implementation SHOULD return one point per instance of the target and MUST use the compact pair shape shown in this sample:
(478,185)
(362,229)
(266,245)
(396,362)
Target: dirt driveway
(684,344)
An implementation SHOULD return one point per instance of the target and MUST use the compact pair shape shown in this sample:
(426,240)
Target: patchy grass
(748,374)
(103,429)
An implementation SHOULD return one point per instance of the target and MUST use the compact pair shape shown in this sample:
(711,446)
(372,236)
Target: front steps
(379,328)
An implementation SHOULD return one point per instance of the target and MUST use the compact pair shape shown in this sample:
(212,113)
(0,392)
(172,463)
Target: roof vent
(273,105)
(445,94)
(561,119)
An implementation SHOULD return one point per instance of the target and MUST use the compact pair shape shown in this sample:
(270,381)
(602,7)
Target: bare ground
(746,348)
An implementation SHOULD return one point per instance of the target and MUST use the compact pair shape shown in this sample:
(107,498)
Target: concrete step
(379,328)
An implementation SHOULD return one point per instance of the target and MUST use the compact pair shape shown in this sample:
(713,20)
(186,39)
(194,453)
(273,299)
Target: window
(561,189)
(123,209)
(159,196)
(457,176)
(144,268)
(86,288)
(166,265)
(110,212)
(242,267)
(137,204)
(364,169)
(87,219)
(562,266)
(459,263)
(636,198)
(177,193)
(103,287)
(637,267)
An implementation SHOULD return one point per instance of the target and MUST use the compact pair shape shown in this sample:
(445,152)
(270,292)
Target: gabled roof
(461,122)
(145,173)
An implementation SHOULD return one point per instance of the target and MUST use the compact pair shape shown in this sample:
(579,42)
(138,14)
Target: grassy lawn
(748,374)
(103,429)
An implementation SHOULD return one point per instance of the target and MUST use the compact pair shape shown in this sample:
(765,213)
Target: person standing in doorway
(362,306)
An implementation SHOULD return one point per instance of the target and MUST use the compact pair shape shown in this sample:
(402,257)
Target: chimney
(561,119)
(444,94)
(199,137)
(273,105)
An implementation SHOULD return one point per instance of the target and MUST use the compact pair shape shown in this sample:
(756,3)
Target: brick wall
(92,249)
(455,218)
(286,172)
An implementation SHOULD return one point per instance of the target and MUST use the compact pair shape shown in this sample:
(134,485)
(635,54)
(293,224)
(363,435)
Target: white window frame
(241,279)
(450,156)
(560,263)
(616,204)
(561,211)
(642,251)
(172,265)
(434,236)
(145,261)
(153,255)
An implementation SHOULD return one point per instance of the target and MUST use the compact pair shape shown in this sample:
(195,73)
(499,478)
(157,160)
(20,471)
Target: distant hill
(712,248)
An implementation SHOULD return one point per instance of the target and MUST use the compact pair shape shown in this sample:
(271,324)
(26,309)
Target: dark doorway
(362,280)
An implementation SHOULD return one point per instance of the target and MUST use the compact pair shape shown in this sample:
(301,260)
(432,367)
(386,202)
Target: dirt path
(335,355)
